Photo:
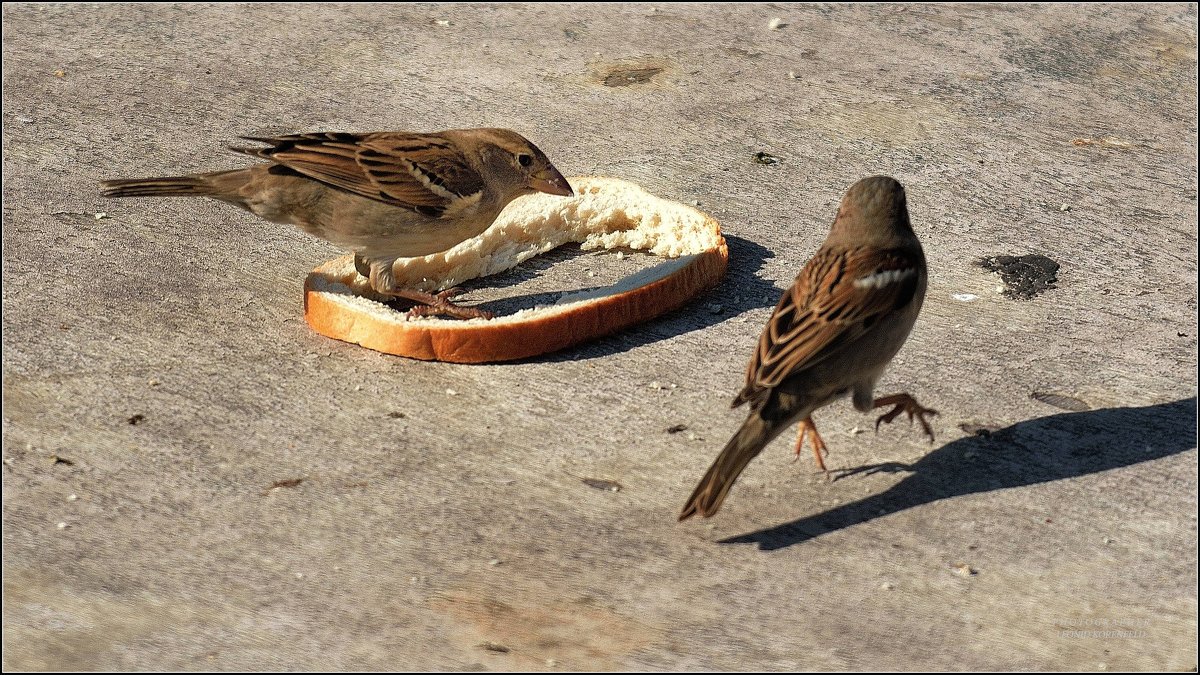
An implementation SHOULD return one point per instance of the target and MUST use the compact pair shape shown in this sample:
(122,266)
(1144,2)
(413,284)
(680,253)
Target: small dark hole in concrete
(1059,401)
(1024,276)
(601,484)
(623,77)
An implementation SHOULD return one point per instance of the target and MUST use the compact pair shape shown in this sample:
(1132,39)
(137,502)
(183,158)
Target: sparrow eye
(524,160)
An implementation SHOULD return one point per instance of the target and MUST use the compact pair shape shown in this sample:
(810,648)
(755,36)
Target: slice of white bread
(604,213)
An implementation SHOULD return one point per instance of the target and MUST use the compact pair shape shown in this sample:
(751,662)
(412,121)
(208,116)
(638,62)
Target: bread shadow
(740,290)
(1027,453)
(527,271)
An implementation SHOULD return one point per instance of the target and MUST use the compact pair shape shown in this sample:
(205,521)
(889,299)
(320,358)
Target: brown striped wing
(824,309)
(422,172)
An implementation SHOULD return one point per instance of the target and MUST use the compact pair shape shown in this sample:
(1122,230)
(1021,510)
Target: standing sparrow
(384,195)
(833,333)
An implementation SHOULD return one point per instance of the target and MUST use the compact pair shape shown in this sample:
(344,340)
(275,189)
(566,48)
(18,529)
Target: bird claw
(434,304)
(906,404)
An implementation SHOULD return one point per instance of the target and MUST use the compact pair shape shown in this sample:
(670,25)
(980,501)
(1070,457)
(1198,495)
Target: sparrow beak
(550,181)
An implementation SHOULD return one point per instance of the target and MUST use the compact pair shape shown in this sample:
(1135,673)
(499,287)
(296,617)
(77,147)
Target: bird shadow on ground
(1036,451)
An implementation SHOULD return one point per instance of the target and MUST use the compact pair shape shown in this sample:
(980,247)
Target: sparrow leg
(807,426)
(428,304)
(439,304)
(904,404)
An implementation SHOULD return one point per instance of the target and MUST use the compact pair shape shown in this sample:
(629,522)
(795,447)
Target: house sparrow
(384,195)
(833,333)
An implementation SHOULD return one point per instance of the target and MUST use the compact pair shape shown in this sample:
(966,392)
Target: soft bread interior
(605,213)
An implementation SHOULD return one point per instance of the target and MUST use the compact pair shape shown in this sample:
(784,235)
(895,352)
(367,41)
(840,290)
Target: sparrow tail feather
(750,439)
(173,186)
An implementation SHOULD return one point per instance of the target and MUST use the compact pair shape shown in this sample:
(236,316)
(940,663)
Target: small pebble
(101,216)
(965,297)
(72,497)
(887,586)
(495,561)
(451,392)
(61,526)
(442,22)
(776,24)
(299,575)
(1064,207)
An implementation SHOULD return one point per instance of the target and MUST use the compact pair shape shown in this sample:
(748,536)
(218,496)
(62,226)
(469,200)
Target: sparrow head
(872,208)
(521,165)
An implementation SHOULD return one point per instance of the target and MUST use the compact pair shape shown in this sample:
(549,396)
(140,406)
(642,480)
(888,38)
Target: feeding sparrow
(833,333)
(384,195)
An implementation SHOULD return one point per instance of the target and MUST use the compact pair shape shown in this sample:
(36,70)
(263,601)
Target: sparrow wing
(421,172)
(838,296)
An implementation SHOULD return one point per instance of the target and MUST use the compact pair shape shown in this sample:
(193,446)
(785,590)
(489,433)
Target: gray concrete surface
(454,531)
